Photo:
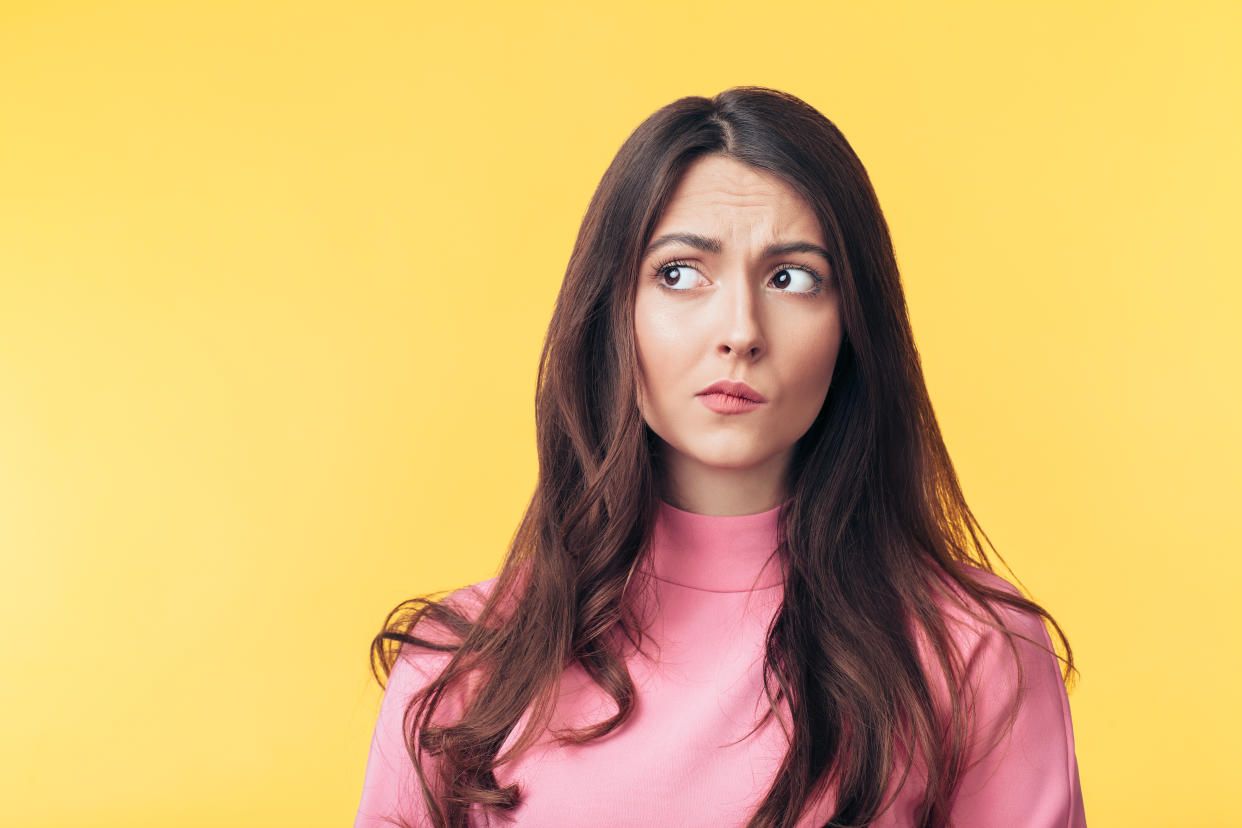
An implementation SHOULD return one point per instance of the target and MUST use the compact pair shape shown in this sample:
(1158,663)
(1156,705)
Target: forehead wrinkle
(737,191)
(718,201)
(713,218)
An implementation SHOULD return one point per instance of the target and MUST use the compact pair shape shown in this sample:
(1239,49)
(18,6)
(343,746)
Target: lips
(734,389)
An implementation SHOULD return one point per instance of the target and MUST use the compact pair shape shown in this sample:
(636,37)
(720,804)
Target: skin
(735,314)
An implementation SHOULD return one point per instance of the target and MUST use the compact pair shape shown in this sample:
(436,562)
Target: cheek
(657,376)
(656,325)
(662,350)
(648,347)
(813,367)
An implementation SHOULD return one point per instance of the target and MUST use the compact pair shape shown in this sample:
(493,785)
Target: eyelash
(658,272)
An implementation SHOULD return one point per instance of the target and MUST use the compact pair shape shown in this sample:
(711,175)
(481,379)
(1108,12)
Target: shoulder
(390,785)
(979,622)
(1021,767)
(469,600)
(440,622)
(439,629)
(1005,654)
(1001,652)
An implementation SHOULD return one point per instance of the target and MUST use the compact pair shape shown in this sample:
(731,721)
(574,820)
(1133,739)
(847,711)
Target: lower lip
(727,404)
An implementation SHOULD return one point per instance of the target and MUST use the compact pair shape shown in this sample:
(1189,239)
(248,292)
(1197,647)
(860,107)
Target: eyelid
(678,261)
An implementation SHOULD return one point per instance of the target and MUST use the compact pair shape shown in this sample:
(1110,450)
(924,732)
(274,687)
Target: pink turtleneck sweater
(684,757)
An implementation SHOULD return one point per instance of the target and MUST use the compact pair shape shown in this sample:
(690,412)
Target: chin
(726,457)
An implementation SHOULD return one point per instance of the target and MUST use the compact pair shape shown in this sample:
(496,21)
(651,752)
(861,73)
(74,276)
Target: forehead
(727,196)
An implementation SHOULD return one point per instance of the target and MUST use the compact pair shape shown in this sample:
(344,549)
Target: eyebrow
(710,245)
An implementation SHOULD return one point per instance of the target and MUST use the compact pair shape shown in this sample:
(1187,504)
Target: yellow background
(274,278)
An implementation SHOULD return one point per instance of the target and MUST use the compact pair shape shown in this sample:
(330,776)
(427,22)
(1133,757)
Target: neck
(714,490)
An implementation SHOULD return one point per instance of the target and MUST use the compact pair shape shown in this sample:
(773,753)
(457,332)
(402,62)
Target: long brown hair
(876,529)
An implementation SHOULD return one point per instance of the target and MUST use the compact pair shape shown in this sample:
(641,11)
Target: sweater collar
(716,553)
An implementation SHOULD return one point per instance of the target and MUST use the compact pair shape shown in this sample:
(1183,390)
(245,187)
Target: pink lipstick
(729,397)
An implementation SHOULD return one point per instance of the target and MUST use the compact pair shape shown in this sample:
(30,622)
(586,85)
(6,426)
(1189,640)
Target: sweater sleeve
(1026,776)
(390,790)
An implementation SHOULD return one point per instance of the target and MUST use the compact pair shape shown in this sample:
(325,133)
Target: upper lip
(734,389)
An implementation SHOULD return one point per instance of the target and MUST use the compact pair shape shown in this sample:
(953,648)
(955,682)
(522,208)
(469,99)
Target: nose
(741,328)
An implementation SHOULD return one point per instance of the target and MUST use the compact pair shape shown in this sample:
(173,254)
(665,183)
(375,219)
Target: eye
(678,276)
(796,280)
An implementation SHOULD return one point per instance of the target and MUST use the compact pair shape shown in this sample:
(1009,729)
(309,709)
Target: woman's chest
(701,746)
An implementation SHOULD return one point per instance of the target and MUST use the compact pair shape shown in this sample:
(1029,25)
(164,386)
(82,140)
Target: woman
(748,590)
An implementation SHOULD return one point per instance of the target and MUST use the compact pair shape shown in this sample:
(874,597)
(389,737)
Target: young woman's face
(735,287)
